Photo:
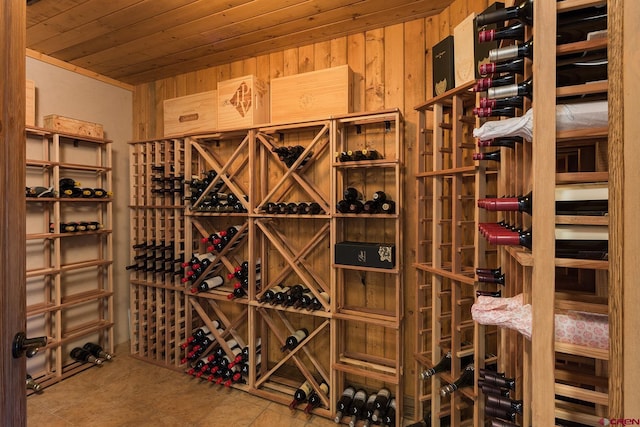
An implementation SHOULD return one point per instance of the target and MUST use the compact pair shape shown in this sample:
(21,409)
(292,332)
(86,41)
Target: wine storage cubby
(69,275)
(367,303)
(158,247)
(448,184)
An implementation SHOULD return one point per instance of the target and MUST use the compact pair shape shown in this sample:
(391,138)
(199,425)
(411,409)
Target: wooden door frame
(13,406)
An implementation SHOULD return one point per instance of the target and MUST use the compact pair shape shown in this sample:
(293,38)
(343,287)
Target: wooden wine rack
(449,183)
(67,273)
(290,249)
(567,382)
(158,308)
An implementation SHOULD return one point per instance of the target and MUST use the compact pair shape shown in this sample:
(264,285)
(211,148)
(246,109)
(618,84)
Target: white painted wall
(62,92)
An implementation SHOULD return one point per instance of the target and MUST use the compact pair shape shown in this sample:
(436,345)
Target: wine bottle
(314,399)
(292,341)
(491,68)
(344,403)
(389,418)
(496,294)
(31,384)
(578,25)
(522,12)
(301,394)
(316,304)
(519,89)
(208,284)
(493,389)
(343,206)
(464,380)
(246,352)
(294,297)
(279,297)
(491,82)
(369,408)
(269,294)
(371,154)
(443,365)
(343,156)
(313,208)
(572,241)
(381,402)
(492,155)
(489,271)
(357,406)
(499,381)
(356,206)
(495,112)
(82,355)
(351,193)
(371,207)
(504,414)
(512,32)
(97,351)
(498,280)
(518,51)
(509,142)
(388,207)
(505,403)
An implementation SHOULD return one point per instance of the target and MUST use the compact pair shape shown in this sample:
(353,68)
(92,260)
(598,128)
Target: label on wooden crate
(242,102)
(312,96)
(191,113)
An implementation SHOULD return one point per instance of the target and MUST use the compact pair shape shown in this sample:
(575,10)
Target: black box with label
(481,50)
(363,254)
(444,77)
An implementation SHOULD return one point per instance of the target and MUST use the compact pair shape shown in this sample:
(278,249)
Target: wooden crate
(191,113)
(30,109)
(463,46)
(73,126)
(242,102)
(311,96)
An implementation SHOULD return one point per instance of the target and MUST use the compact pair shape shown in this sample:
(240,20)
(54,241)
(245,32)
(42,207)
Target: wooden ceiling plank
(290,31)
(338,29)
(190,47)
(86,12)
(199,32)
(148,27)
(105,24)
(41,11)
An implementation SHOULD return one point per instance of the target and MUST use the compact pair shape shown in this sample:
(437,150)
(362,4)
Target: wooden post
(543,218)
(12,213)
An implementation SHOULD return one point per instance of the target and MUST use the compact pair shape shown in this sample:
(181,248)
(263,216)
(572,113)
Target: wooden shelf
(61,293)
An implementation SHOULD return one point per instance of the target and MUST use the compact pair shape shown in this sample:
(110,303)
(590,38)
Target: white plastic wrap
(568,117)
(573,327)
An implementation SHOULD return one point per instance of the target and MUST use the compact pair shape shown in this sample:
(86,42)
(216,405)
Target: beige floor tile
(275,417)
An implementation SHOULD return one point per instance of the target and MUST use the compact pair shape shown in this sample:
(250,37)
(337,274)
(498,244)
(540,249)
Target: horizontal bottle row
(358,155)
(76,227)
(292,208)
(73,192)
(90,353)
(377,408)
(572,241)
(296,296)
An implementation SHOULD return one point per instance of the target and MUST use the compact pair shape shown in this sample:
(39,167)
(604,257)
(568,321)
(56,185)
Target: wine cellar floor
(130,392)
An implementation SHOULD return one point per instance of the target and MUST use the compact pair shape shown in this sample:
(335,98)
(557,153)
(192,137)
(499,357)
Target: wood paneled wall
(392,68)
